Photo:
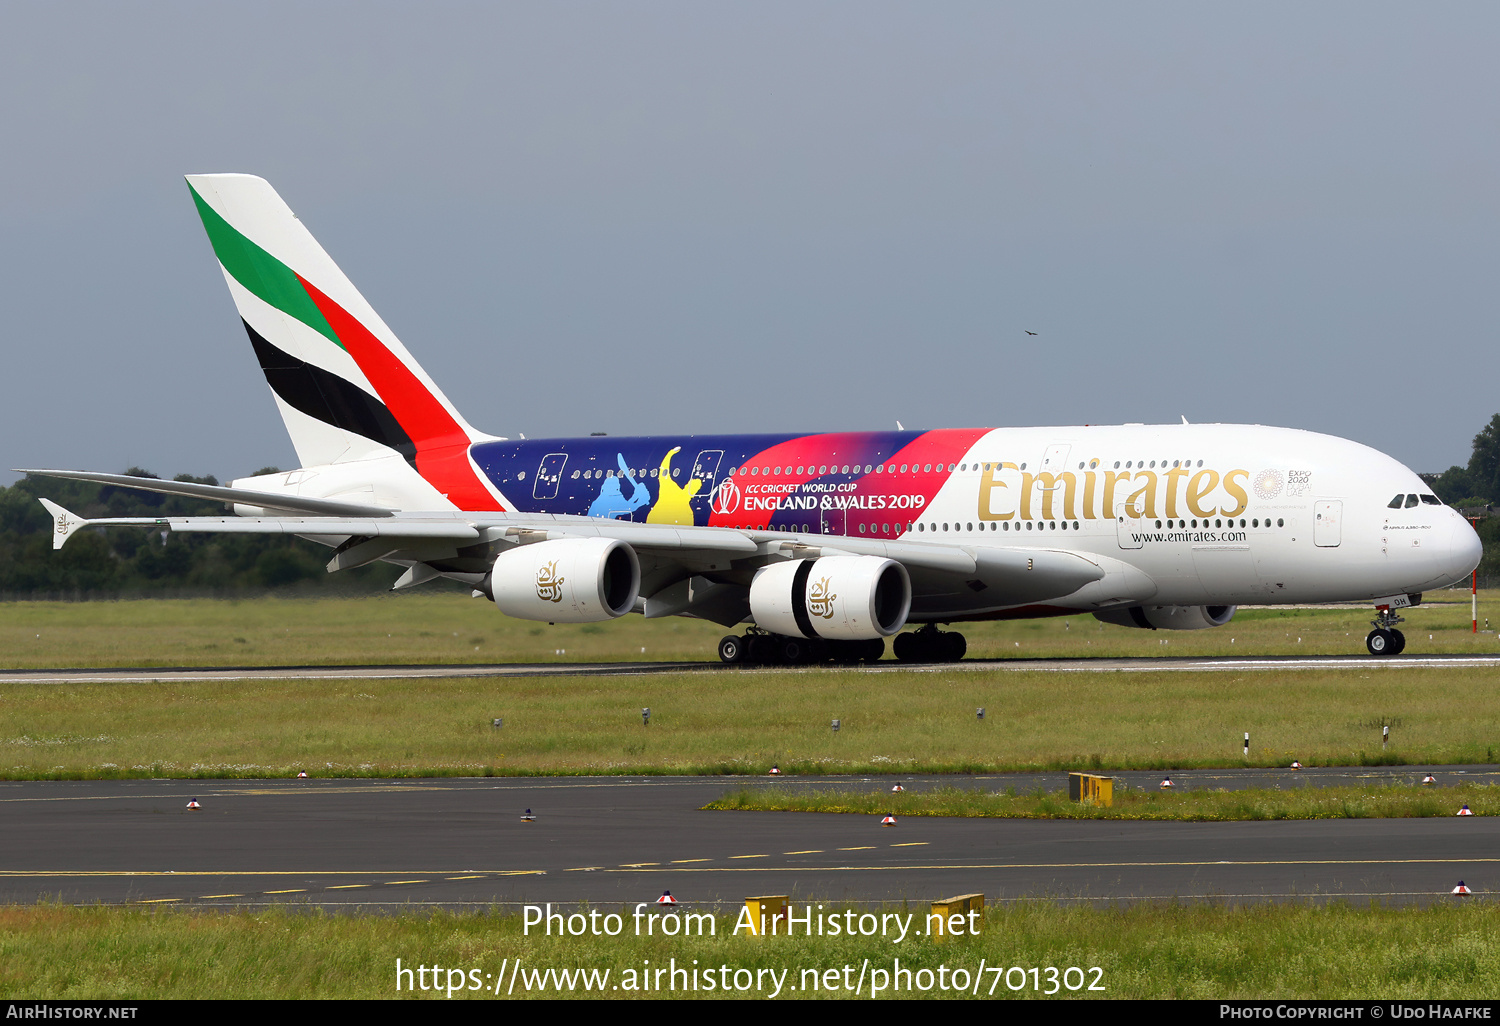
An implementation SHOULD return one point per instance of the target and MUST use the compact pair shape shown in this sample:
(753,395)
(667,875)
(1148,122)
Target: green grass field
(1144,951)
(447,628)
(739,721)
(1349,802)
(744,721)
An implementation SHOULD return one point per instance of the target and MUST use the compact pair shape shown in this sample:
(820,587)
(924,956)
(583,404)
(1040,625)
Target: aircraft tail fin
(346,387)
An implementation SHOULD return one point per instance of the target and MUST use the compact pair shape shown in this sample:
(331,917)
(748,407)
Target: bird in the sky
(1029,332)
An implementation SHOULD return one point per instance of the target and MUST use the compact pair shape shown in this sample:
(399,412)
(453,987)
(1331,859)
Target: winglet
(64,523)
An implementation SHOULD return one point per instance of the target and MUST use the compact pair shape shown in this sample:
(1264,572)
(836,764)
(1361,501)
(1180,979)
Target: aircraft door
(1128,525)
(1055,459)
(1327,515)
(832,521)
(706,470)
(549,475)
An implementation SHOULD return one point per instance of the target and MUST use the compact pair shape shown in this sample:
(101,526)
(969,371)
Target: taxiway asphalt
(391,844)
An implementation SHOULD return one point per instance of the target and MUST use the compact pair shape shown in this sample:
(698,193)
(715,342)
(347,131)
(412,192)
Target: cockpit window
(1431,500)
(1411,500)
(1396,502)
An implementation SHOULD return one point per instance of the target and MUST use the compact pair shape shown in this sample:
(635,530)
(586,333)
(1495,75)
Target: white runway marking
(1102,665)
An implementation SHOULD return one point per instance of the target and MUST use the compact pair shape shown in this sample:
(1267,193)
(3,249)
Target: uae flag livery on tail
(347,388)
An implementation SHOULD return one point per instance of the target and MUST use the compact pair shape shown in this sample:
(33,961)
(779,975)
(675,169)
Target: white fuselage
(1213,514)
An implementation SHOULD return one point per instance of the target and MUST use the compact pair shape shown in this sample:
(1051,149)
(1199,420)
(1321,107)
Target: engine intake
(570,580)
(1169,618)
(839,597)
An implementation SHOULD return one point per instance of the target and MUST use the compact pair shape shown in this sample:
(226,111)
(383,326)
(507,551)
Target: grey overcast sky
(689,217)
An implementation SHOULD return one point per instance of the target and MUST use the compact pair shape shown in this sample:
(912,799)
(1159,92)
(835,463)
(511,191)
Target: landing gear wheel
(1398,643)
(760,649)
(732,649)
(930,645)
(1381,642)
(793,650)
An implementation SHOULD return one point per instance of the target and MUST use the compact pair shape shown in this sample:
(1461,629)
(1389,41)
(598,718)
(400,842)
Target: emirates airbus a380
(824,544)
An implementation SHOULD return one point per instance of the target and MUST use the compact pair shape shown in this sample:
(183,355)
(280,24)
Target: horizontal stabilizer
(243,496)
(64,523)
(67,524)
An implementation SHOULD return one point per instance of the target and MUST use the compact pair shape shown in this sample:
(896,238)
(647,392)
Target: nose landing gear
(1385,640)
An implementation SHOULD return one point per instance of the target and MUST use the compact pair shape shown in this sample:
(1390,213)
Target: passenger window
(1411,500)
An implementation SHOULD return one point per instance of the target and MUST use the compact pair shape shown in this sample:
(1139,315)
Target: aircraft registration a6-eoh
(826,544)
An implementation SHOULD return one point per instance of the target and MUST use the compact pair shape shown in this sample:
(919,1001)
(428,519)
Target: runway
(1222,664)
(461,843)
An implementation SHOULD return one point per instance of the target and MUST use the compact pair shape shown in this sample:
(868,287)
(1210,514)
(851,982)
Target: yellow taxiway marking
(678,862)
(638,865)
(156,901)
(749,856)
(909,844)
(346,887)
(294,890)
(205,897)
(393,883)
(810,851)
(584,869)
(476,876)
(863,847)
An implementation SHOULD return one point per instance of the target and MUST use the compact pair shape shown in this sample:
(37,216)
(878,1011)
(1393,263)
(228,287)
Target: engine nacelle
(570,580)
(1169,618)
(847,598)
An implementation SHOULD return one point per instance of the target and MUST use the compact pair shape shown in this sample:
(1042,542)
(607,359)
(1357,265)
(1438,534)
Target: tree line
(140,561)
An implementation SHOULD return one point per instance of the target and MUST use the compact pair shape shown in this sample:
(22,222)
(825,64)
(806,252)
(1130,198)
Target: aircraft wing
(461,546)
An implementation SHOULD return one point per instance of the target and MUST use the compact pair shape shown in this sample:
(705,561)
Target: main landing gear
(930,645)
(757,647)
(1385,640)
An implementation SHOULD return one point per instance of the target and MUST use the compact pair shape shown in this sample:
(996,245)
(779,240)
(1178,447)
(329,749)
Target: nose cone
(1464,549)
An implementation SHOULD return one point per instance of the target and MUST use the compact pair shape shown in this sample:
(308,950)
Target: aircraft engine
(847,598)
(570,580)
(1169,618)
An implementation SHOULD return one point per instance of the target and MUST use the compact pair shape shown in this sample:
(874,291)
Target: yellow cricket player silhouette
(672,501)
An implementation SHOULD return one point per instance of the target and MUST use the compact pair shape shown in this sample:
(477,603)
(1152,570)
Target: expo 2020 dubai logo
(1268,484)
